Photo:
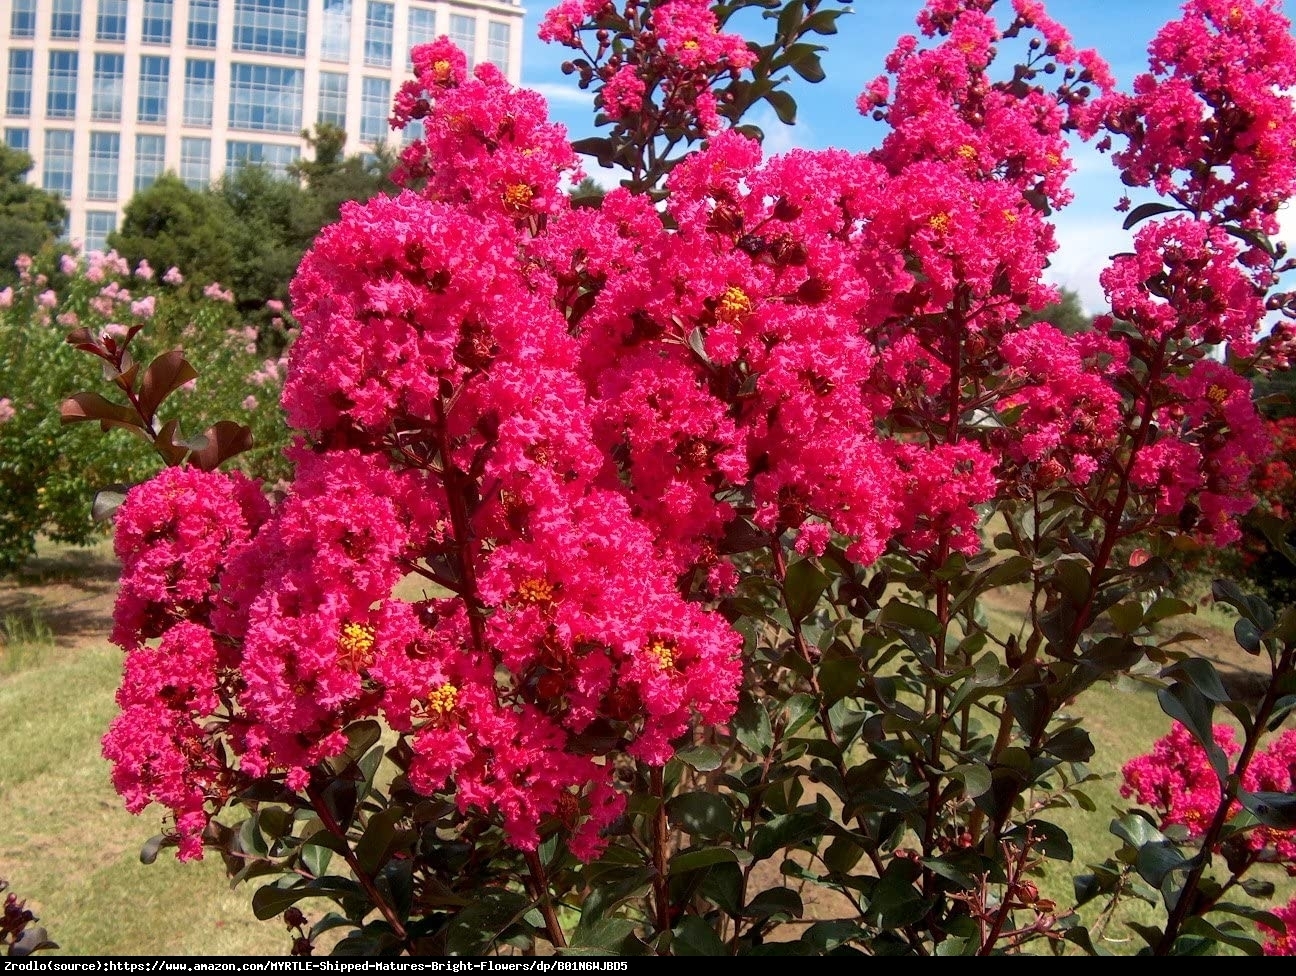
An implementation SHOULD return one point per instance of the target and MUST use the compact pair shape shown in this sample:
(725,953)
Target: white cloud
(559,94)
(780,138)
(1086,243)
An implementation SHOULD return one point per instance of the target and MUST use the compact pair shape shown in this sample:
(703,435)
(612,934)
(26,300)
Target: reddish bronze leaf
(225,439)
(164,376)
(91,406)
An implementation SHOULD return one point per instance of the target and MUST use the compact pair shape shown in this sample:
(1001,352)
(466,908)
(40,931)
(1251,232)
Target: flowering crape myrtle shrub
(623,526)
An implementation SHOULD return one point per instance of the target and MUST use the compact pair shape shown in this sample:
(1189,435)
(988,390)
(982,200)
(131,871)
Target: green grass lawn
(70,848)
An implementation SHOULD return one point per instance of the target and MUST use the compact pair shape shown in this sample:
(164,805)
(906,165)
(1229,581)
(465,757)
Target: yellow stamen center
(1010,216)
(517,196)
(967,152)
(355,646)
(441,70)
(1216,394)
(661,653)
(939,222)
(535,591)
(690,45)
(443,698)
(733,305)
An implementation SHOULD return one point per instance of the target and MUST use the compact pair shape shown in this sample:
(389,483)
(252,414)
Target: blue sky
(1088,230)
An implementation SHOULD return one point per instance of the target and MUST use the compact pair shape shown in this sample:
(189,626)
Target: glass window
(106,100)
(202,23)
(22,20)
(497,46)
(65,19)
(463,31)
(335,42)
(270,26)
(150,160)
(414,129)
(275,158)
(111,23)
(105,155)
(58,161)
(99,224)
(374,100)
(19,93)
(332,99)
(60,103)
(155,74)
(195,163)
(422,29)
(266,98)
(19,139)
(199,91)
(379,18)
(157,22)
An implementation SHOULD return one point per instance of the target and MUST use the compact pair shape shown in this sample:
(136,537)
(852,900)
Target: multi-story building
(106,95)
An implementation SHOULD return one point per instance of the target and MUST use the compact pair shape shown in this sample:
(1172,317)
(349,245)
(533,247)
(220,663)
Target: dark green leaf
(774,902)
(693,937)
(702,758)
(752,726)
(1201,674)
(899,614)
(685,861)
(607,934)
(1071,745)
(704,815)
(1144,211)
(1190,707)
(785,831)
(804,584)
(475,929)
(1272,809)
(272,899)
(784,105)
(975,778)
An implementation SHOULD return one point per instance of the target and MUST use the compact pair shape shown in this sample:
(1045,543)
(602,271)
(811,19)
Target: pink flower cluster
(563,422)
(657,64)
(1176,780)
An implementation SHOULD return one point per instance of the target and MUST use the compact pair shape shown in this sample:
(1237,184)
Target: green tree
(171,225)
(331,178)
(1067,314)
(29,217)
(268,231)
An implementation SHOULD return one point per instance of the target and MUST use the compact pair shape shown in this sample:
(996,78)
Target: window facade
(335,41)
(199,91)
(57,177)
(497,45)
(195,163)
(202,23)
(379,26)
(375,97)
(65,20)
(157,21)
(422,28)
(155,76)
(22,19)
(105,158)
(60,99)
(106,99)
(18,94)
(110,25)
(99,224)
(264,98)
(150,160)
(273,157)
(463,31)
(332,99)
(19,139)
(270,26)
